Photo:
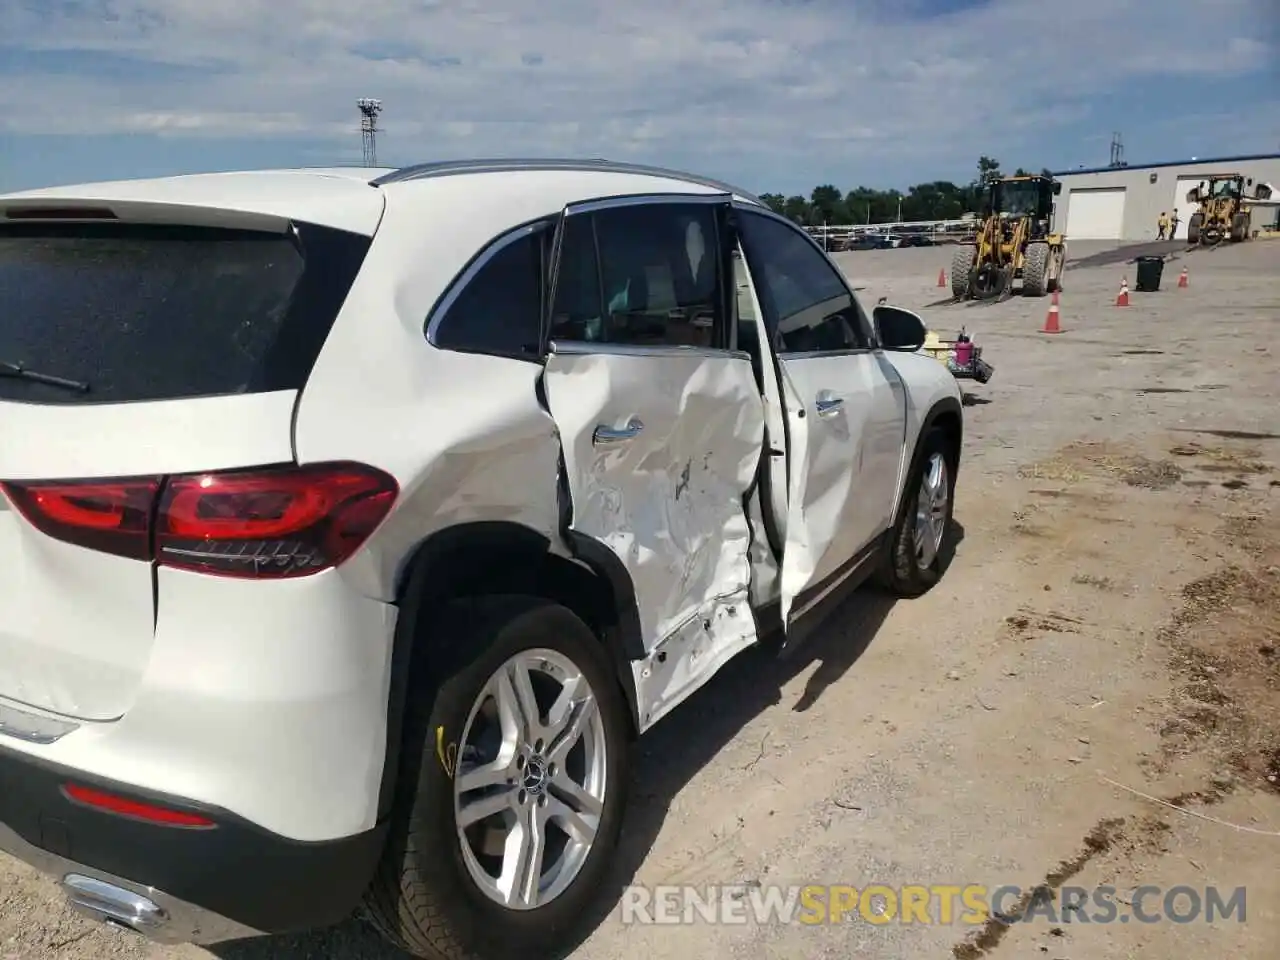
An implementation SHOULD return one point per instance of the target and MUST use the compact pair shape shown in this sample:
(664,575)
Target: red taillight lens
(270,523)
(286,522)
(111,516)
(134,809)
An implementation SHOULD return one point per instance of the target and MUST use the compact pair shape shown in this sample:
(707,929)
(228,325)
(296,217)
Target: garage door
(1185,210)
(1095,214)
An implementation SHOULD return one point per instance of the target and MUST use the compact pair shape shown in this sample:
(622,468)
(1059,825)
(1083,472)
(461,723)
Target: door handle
(829,406)
(607,434)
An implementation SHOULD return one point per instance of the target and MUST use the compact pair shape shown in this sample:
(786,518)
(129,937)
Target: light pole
(369,110)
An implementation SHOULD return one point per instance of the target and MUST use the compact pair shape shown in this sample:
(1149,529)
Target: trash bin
(1149,271)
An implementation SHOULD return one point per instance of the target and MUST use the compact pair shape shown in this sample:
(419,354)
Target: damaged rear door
(661,424)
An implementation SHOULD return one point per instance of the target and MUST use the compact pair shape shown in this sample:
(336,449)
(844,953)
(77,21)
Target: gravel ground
(1108,630)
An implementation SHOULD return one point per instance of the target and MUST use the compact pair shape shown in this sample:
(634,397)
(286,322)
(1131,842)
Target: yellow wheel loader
(1016,241)
(1225,211)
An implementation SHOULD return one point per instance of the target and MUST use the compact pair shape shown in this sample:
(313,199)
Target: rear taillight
(113,516)
(270,523)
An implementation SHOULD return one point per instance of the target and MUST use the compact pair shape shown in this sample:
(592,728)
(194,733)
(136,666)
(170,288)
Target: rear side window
(498,309)
(141,312)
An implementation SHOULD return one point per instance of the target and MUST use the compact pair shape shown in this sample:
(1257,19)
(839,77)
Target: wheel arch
(946,414)
(501,557)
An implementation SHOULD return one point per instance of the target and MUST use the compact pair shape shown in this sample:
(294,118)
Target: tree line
(937,200)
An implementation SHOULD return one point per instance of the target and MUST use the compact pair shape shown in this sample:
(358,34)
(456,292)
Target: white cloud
(737,84)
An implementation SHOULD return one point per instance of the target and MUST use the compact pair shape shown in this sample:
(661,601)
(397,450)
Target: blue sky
(777,95)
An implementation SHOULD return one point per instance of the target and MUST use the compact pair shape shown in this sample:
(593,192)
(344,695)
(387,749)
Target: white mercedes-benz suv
(355,522)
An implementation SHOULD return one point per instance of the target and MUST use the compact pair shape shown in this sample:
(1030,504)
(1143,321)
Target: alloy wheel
(529,789)
(931,511)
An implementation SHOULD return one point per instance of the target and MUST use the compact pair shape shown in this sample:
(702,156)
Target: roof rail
(445,168)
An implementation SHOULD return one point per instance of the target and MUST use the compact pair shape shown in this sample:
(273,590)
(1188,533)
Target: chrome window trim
(460,283)
(806,354)
(440,311)
(579,348)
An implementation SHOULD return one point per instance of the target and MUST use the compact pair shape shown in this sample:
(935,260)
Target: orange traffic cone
(1051,321)
(942,278)
(1122,298)
(1182,278)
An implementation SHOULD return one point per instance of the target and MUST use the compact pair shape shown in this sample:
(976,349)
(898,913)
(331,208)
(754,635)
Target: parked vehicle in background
(865,241)
(355,524)
(875,241)
(917,240)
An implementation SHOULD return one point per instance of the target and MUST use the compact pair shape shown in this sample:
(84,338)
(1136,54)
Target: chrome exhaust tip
(113,905)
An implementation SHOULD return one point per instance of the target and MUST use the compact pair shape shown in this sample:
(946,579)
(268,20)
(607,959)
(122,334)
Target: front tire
(512,795)
(1036,270)
(922,538)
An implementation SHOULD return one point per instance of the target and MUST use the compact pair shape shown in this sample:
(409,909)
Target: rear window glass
(140,312)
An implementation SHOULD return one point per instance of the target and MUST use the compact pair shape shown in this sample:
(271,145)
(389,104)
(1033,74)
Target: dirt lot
(1110,629)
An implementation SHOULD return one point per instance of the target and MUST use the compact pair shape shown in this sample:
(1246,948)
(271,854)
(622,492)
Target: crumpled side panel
(668,501)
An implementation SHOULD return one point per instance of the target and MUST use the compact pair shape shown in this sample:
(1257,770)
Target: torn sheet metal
(659,449)
(691,655)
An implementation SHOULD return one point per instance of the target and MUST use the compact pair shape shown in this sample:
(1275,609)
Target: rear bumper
(264,699)
(219,883)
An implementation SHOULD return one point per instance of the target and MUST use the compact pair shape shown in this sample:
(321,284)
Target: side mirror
(899,329)
(1057,188)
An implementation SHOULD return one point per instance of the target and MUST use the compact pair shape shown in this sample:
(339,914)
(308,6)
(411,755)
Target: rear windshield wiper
(18,371)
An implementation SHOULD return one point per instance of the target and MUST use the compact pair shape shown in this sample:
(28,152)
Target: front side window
(808,308)
(641,275)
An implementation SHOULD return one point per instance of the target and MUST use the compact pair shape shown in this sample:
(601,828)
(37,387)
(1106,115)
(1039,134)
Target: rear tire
(430,897)
(906,570)
(1239,227)
(961,267)
(1194,226)
(1035,270)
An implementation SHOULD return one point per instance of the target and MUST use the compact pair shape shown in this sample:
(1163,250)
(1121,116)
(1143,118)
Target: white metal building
(1125,203)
